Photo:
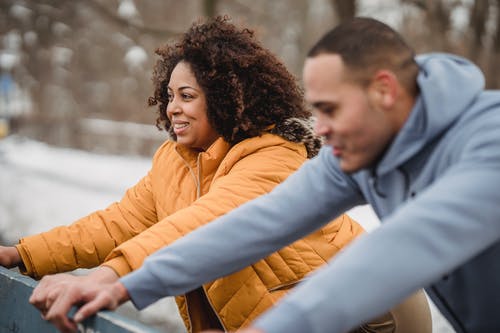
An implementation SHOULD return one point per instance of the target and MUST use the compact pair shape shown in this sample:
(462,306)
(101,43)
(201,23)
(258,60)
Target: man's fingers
(65,325)
(37,299)
(50,297)
(95,302)
(58,312)
(48,290)
(60,301)
(89,309)
(43,298)
(59,308)
(38,296)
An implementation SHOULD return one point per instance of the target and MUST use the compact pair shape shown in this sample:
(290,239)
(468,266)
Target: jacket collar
(211,158)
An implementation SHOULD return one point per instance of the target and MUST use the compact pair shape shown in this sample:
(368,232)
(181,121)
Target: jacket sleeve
(253,175)
(87,242)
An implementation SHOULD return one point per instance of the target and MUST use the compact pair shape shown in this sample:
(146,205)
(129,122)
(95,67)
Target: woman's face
(187,109)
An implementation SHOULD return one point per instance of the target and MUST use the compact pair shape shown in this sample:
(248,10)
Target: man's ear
(384,87)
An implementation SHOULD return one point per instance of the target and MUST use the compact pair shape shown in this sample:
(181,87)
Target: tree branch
(158,32)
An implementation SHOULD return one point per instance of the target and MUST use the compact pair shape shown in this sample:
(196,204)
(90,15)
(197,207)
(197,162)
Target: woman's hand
(9,256)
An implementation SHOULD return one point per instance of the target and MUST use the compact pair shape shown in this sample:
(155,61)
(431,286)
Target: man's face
(349,116)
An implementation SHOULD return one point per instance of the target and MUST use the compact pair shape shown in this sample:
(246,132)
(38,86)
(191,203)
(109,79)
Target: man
(419,140)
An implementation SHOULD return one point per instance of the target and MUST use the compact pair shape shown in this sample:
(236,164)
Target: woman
(238,128)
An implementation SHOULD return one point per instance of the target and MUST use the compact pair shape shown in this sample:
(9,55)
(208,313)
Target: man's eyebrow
(322,105)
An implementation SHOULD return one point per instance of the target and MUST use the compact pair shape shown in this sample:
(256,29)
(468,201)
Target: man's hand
(103,297)
(51,287)
(9,256)
(94,297)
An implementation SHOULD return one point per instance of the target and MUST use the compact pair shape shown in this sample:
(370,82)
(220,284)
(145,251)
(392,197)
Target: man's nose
(320,127)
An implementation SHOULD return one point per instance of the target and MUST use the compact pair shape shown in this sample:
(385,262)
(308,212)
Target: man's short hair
(367,45)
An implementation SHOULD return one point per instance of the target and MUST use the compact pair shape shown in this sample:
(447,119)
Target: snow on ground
(42,186)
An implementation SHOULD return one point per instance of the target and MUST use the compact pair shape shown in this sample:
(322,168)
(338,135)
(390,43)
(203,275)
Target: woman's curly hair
(248,90)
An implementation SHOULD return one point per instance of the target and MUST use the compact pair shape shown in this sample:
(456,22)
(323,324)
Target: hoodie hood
(448,85)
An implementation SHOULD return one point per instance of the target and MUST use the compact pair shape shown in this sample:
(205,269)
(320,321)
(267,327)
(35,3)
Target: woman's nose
(173,107)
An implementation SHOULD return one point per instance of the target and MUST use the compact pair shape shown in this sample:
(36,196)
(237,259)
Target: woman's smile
(180,127)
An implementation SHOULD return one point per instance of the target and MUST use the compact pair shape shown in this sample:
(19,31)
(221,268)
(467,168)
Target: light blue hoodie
(436,190)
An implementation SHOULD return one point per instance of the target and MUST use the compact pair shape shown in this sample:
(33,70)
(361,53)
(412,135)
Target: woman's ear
(384,88)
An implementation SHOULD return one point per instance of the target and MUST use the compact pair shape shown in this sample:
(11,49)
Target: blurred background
(77,73)
(75,129)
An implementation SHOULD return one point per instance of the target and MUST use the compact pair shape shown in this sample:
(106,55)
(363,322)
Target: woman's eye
(187,96)
(170,97)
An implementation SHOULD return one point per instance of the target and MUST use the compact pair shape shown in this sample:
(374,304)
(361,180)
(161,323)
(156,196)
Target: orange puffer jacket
(183,191)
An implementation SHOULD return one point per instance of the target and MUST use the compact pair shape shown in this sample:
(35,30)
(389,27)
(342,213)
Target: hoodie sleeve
(245,234)
(450,222)
(446,225)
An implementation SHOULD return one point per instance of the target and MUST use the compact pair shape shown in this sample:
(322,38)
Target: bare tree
(107,14)
(210,7)
(493,79)
(477,24)
(344,9)
(437,18)
(77,60)
(74,53)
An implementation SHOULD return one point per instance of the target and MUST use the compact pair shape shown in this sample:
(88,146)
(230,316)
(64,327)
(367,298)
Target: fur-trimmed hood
(300,130)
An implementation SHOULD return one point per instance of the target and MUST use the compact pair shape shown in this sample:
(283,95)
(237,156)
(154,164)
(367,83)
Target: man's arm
(451,222)
(304,202)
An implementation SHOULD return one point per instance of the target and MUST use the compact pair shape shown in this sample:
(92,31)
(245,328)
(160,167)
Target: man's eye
(326,110)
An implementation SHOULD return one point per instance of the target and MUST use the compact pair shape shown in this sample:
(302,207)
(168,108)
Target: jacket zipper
(198,195)
(196,179)
(187,313)
(205,294)
(197,183)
